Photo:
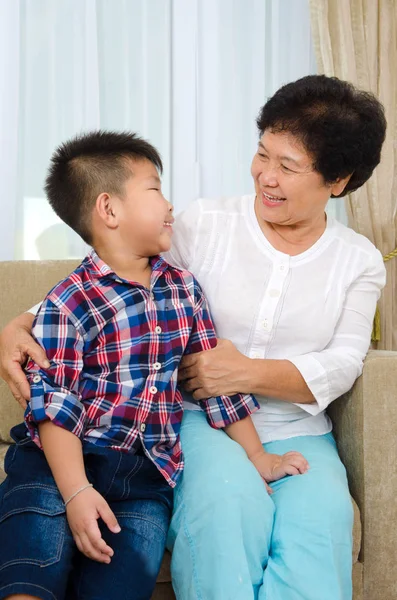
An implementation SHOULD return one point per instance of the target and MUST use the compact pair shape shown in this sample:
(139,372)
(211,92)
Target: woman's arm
(16,345)
(224,371)
(311,380)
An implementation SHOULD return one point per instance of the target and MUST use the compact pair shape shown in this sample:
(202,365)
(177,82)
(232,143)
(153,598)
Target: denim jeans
(38,555)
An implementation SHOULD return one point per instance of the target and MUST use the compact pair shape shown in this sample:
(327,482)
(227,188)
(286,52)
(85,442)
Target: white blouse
(314,309)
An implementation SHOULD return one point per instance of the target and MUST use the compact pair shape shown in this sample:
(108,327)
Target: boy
(107,411)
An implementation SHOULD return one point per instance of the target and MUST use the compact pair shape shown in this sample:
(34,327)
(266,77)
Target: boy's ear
(106,210)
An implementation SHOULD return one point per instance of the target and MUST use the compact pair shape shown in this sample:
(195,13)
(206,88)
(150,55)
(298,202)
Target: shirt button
(157,366)
(157,329)
(282,267)
(255,355)
(153,389)
(142,427)
(274,293)
(36,379)
(265,324)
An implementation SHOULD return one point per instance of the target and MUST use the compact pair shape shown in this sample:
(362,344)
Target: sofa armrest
(365,425)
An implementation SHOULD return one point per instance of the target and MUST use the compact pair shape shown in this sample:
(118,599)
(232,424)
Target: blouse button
(152,296)
(36,379)
(142,427)
(153,389)
(157,329)
(157,366)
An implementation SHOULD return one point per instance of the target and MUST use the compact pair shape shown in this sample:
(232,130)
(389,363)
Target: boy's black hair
(341,127)
(88,165)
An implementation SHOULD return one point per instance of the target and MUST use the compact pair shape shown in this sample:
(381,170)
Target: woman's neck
(294,239)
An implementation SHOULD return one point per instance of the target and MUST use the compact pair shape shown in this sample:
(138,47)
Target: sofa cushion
(23,284)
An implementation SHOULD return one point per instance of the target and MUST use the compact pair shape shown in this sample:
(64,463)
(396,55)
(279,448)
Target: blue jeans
(232,541)
(37,553)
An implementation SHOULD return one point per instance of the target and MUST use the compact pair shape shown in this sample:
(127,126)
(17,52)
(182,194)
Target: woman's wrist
(253,374)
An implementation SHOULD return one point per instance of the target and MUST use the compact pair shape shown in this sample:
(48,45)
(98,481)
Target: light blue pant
(231,541)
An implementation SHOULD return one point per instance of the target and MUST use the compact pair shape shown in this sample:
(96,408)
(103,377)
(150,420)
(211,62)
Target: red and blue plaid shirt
(114,348)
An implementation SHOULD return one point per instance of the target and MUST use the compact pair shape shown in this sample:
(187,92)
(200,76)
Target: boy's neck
(127,265)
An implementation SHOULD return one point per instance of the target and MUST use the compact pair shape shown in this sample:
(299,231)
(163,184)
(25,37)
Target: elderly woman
(293,294)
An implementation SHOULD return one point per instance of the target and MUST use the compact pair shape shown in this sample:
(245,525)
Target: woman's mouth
(269,200)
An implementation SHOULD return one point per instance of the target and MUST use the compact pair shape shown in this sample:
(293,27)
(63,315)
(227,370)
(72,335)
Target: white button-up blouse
(314,309)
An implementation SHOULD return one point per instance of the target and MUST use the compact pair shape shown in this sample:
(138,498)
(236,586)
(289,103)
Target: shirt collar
(98,268)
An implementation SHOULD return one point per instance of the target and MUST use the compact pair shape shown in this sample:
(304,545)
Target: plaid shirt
(114,348)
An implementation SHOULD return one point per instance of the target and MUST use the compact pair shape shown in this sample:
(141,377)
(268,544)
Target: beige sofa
(365,425)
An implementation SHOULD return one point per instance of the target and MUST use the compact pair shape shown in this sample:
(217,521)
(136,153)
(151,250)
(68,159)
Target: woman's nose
(268,176)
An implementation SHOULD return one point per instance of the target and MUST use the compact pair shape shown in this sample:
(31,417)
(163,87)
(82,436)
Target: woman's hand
(16,345)
(217,372)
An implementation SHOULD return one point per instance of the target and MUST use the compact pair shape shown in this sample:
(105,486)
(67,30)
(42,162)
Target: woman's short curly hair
(341,127)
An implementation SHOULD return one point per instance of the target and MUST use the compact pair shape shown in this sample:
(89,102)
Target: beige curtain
(356,40)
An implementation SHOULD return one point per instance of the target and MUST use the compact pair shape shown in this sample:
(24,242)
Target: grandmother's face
(288,189)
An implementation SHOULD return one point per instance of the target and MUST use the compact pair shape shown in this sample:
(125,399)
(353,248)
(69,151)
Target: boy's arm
(270,466)
(84,505)
(56,417)
(54,391)
(64,454)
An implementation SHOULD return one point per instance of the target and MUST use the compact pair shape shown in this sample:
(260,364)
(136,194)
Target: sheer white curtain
(69,66)
(190,75)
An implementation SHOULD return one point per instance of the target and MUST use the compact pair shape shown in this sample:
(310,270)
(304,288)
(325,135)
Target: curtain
(70,66)
(189,75)
(356,40)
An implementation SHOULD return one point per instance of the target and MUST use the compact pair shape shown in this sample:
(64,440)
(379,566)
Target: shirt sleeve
(333,371)
(55,391)
(221,410)
(35,309)
(184,237)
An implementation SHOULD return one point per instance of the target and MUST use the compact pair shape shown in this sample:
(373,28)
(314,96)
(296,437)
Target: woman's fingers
(17,395)
(189,360)
(201,394)
(16,379)
(187,373)
(37,354)
(190,385)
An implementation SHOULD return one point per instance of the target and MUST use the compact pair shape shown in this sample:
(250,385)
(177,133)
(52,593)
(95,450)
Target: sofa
(365,422)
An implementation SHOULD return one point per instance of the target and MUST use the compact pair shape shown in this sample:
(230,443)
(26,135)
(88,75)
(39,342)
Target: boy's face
(144,215)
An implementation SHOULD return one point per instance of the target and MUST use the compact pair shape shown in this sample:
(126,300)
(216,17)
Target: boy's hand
(273,466)
(83,513)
